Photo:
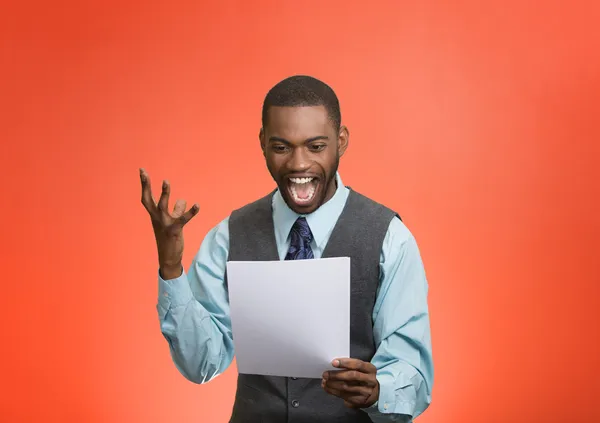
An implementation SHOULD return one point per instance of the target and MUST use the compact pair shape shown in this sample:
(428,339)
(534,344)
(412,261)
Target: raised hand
(168,227)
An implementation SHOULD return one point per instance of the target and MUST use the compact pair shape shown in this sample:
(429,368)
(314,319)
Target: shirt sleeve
(193,311)
(402,331)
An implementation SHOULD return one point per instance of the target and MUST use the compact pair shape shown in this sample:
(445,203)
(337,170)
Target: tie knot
(302,229)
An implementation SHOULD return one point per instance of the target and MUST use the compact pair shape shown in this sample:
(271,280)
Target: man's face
(302,149)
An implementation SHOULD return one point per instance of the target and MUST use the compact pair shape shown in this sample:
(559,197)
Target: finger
(147,199)
(351,399)
(348,389)
(179,208)
(163,201)
(187,216)
(352,376)
(354,364)
(332,390)
(356,400)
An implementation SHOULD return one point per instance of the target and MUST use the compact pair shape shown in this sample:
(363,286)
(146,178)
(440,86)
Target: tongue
(302,190)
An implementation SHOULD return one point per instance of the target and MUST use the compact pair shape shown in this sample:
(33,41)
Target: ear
(263,144)
(343,138)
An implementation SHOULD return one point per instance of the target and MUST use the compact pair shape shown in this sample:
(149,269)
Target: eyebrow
(283,140)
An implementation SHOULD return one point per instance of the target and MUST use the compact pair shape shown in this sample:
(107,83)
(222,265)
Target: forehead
(299,122)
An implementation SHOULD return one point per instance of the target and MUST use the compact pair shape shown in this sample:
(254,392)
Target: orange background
(477,121)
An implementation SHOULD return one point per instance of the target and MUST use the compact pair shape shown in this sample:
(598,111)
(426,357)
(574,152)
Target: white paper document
(291,317)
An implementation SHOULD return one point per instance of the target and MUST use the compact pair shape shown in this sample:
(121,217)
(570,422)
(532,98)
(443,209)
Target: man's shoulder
(260,207)
(368,205)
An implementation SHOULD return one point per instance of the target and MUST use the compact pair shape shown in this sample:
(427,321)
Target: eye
(278,148)
(317,147)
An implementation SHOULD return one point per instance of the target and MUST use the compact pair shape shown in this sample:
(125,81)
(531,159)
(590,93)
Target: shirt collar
(321,221)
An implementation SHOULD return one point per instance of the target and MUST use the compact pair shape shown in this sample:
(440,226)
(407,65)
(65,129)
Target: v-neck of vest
(351,196)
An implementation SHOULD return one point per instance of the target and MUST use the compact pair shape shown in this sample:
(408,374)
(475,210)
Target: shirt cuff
(174,292)
(392,400)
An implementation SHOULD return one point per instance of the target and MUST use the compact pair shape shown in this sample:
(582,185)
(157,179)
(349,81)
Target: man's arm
(193,311)
(402,331)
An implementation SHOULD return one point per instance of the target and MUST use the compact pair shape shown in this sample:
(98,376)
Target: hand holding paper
(356,382)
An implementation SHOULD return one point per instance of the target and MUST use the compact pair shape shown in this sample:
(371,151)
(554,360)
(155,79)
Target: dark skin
(355,382)
(296,142)
(303,142)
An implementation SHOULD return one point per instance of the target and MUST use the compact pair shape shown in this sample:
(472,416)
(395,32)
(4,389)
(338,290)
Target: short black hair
(303,90)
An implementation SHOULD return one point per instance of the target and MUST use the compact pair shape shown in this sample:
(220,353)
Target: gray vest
(358,234)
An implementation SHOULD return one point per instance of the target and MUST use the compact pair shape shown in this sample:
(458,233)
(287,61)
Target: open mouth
(303,190)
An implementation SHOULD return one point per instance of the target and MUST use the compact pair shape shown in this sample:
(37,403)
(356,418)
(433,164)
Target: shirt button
(295,403)
(385,406)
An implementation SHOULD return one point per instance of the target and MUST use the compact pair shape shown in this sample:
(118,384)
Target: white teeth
(301,180)
(311,192)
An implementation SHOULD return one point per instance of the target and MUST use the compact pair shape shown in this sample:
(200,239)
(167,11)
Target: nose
(299,160)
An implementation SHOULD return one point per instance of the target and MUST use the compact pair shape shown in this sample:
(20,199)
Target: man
(311,214)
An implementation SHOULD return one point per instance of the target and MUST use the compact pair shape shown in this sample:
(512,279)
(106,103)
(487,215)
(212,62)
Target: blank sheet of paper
(290,318)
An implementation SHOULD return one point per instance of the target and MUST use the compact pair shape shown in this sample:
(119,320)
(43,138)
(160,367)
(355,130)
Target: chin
(305,209)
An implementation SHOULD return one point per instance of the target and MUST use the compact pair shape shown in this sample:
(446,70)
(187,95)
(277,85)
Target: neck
(331,189)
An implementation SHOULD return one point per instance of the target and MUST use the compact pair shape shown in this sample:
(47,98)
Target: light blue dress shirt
(194,311)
